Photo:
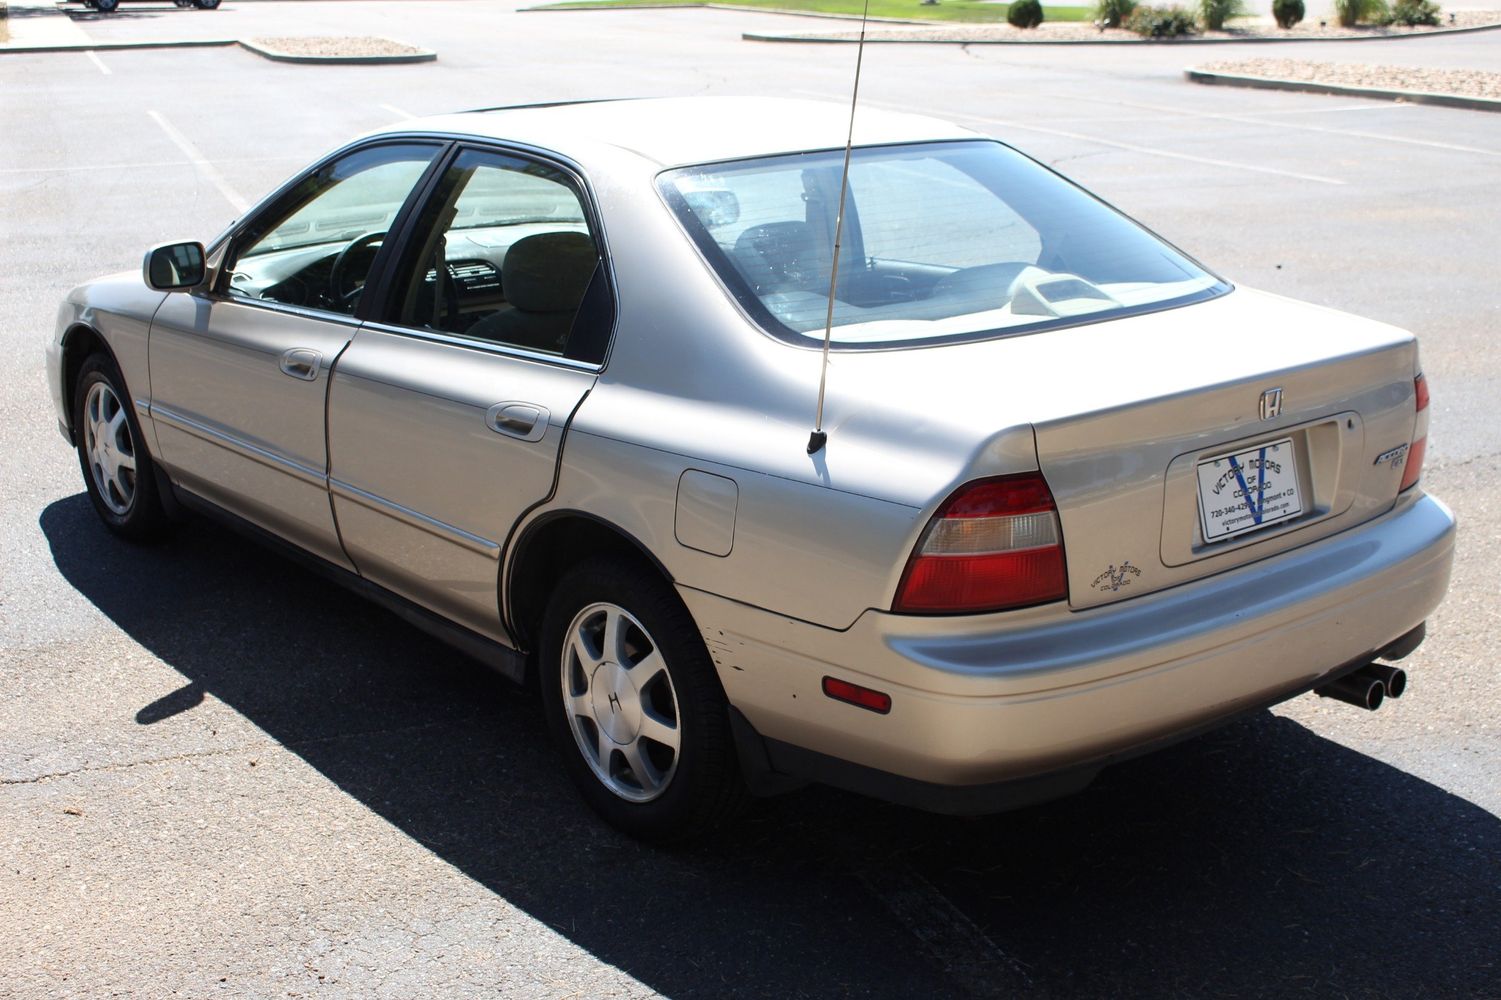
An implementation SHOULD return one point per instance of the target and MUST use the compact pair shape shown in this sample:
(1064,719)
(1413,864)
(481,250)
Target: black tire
(207,4)
(126,500)
(106,6)
(702,787)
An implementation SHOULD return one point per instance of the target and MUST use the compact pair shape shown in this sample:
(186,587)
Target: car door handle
(526,421)
(301,362)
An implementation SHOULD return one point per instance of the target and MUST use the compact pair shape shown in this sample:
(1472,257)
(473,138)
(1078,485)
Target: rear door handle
(301,362)
(526,421)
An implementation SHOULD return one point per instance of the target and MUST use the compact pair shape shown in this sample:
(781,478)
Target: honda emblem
(1271,404)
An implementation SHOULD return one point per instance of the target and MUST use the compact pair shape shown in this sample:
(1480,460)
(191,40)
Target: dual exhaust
(1366,687)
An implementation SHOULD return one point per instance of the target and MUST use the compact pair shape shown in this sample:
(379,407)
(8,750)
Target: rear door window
(503,253)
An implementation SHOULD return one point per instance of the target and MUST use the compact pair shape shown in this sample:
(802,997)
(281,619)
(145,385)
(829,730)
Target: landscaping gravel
(1074,31)
(1465,82)
(334,45)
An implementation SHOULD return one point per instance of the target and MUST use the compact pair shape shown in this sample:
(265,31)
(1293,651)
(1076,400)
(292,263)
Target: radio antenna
(818,438)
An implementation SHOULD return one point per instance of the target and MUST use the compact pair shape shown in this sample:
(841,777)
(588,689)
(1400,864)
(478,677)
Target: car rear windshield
(941,242)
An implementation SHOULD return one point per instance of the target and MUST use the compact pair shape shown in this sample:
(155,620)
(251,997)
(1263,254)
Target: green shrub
(1025,13)
(1352,12)
(1413,13)
(1161,22)
(1114,12)
(1287,12)
(1215,12)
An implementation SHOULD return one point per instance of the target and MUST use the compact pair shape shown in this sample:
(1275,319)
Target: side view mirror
(172,267)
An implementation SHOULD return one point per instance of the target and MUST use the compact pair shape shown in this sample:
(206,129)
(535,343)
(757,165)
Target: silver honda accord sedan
(542,380)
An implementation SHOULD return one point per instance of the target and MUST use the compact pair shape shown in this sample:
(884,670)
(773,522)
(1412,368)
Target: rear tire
(207,4)
(106,6)
(117,468)
(634,705)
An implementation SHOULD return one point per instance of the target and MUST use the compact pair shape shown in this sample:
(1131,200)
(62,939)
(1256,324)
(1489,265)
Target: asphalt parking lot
(217,774)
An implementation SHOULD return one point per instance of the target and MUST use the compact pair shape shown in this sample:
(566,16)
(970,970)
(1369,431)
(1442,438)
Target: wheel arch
(79,343)
(547,548)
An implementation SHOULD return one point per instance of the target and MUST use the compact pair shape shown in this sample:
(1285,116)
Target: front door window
(316,246)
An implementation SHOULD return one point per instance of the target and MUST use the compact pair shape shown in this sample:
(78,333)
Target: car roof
(681,130)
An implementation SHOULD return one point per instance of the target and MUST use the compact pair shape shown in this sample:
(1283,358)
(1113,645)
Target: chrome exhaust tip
(1359,689)
(1394,679)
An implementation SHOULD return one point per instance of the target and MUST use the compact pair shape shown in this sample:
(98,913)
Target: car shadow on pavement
(1262,860)
(123,14)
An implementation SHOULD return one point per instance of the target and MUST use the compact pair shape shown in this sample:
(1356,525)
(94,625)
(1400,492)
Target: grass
(946,10)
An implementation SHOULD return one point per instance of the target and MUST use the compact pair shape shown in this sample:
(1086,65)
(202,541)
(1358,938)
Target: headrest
(779,255)
(548,272)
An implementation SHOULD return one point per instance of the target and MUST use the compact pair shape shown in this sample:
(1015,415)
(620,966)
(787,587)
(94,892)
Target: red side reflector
(1420,384)
(854,694)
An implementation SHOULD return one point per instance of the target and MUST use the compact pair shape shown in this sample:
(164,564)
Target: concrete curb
(939,39)
(421,55)
(1311,87)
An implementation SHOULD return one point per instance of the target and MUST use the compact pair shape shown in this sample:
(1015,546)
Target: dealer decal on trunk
(1114,578)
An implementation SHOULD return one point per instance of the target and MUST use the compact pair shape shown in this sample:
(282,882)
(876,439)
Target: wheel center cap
(617,703)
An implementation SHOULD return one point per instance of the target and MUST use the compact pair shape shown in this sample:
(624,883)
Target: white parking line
(157,165)
(1250,120)
(1146,150)
(207,169)
(1129,147)
(396,111)
(94,58)
(1329,111)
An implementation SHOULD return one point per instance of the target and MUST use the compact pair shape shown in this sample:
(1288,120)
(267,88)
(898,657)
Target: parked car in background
(110,6)
(542,380)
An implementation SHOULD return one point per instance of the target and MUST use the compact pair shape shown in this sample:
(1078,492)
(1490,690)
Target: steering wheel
(337,291)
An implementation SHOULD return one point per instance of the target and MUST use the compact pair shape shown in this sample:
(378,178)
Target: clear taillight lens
(994,544)
(1414,468)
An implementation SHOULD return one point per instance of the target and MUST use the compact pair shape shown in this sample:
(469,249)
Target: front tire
(117,468)
(634,705)
(207,4)
(106,6)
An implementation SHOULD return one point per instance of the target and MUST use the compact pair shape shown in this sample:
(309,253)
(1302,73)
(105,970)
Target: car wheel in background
(634,705)
(105,6)
(207,4)
(117,468)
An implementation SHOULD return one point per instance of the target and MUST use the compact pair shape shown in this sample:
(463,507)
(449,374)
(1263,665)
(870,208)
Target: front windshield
(941,241)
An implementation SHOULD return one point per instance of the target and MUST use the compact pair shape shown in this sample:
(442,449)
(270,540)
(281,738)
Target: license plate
(1248,490)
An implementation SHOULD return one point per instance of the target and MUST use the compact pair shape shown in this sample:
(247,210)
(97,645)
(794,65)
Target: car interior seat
(544,278)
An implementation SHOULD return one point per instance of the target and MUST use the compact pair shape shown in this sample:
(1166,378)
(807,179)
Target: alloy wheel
(110,448)
(620,702)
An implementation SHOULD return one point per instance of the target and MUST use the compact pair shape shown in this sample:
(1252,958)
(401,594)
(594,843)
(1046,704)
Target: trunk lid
(1124,412)
(1292,406)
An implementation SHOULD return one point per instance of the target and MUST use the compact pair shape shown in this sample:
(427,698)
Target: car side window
(316,245)
(502,252)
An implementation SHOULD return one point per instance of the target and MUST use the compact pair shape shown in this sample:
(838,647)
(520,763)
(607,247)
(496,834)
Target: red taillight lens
(1414,468)
(995,544)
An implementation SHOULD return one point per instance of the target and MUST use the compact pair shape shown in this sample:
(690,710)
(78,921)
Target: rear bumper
(1050,694)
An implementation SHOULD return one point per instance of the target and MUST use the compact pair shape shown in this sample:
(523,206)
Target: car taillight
(994,544)
(1414,468)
